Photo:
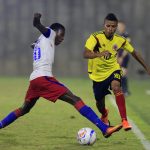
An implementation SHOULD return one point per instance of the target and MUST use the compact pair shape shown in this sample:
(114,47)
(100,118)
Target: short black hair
(111,17)
(57,26)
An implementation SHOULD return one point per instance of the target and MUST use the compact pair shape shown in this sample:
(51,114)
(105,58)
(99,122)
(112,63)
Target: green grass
(52,126)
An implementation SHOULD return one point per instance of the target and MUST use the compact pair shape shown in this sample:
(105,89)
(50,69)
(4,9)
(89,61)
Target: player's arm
(37,23)
(88,54)
(139,58)
(89,49)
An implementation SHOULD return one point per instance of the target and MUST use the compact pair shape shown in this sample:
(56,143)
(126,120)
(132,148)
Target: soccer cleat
(126,125)
(104,118)
(111,130)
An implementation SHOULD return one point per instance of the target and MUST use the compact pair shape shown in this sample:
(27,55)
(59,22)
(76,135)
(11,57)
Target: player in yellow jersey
(101,51)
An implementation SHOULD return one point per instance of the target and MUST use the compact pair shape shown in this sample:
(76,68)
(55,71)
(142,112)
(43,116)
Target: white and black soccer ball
(86,136)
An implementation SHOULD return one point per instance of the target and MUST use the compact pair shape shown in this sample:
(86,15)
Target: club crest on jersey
(115,47)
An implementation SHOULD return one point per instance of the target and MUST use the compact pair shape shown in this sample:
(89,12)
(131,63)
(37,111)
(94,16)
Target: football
(86,136)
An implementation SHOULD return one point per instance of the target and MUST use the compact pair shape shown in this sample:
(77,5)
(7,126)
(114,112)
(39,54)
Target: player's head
(110,24)
(60,32)
(121,27)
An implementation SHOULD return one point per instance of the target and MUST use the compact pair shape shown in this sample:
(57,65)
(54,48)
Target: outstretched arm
(139,58)
(37,23)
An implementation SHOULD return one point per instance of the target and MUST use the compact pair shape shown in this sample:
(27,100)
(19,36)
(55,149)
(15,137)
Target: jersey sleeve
(128,47)
(48,33)
(90,43)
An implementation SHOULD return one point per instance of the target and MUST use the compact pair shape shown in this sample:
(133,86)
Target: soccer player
(123,58)
(44,84)
(101,51)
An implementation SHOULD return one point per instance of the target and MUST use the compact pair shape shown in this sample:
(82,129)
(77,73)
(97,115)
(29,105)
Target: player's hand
(36,19)
(106,54)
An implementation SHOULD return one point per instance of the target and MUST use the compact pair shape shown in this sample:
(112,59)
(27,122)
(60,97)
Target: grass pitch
(51,126)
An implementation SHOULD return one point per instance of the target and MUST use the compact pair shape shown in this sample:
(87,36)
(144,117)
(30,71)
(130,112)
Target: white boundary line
(135,129)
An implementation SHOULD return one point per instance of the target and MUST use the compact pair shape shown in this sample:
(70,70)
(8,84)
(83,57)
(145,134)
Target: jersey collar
(110,37)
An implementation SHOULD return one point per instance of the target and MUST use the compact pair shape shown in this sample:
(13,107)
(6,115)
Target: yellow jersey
(100,68)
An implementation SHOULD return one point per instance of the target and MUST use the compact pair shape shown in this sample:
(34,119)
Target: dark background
(80,17)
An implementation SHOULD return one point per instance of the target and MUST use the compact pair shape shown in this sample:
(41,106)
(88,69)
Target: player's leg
(100,104)
(55,90)
(100,90)
(120,101)
(11,117)
(103,110)
(88,113)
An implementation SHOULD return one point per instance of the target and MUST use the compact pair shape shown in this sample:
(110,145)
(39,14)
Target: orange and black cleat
(111,130)
(126,126)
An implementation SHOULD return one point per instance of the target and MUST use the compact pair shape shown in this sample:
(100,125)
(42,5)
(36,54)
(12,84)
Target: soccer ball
(86,136)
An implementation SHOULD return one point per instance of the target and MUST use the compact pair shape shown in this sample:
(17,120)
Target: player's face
(60,34)
(110,27)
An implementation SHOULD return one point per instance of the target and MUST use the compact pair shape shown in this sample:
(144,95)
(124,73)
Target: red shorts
(46,87)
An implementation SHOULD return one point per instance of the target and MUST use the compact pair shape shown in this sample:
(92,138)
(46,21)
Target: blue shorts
(101,89)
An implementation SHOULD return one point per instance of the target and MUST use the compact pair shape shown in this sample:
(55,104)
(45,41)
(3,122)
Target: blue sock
(8,120)
(90,115)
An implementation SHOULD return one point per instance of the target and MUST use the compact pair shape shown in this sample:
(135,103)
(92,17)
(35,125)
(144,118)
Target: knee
(116,89)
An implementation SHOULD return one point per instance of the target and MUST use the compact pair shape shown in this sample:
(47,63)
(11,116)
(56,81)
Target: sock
(10,118)
(104,112)
(101,107)
(120,101)
(90,115)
